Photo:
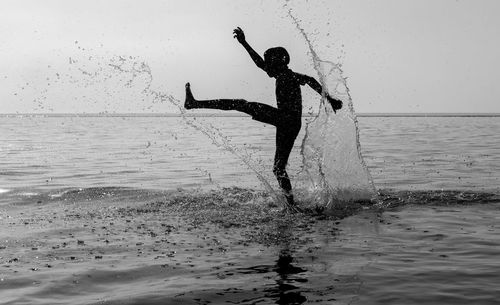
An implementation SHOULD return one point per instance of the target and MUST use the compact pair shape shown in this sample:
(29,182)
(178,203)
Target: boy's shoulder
(290,75)
(302,79)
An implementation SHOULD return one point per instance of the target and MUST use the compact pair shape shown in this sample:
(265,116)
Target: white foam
(60,194)
(4,191)
(28,194)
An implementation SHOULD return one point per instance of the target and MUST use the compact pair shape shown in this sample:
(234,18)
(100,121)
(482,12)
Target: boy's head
(276,60)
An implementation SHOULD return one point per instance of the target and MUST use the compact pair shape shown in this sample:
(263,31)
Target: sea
(149,209)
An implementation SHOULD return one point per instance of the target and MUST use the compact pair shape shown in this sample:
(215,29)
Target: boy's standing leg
(285,137)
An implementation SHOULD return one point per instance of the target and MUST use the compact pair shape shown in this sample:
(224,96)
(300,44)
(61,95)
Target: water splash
(333,168)
(130,78)
(218,139)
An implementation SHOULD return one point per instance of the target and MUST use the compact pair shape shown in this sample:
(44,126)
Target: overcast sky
(94,56)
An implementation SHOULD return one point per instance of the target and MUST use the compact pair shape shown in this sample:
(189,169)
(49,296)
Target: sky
(412,56)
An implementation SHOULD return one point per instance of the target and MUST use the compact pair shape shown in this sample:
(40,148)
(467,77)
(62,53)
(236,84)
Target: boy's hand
(336,104)
(239,35)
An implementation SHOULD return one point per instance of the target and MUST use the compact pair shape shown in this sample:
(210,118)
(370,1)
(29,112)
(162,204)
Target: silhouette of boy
(287,117)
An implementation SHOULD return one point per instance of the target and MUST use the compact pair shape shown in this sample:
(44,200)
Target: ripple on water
(235,245)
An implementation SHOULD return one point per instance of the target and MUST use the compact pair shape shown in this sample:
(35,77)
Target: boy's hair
(277,55)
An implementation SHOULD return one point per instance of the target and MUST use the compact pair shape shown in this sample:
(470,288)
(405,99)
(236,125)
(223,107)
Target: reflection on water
(288,275)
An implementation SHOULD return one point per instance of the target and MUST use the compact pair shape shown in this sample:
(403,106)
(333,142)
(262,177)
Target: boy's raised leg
(260,112)
(220,104)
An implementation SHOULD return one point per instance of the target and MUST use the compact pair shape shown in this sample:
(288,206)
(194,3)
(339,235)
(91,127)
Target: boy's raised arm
(240,36)
(313,83)
(316,86)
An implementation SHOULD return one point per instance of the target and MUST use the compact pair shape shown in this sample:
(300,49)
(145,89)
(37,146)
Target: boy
(286,117)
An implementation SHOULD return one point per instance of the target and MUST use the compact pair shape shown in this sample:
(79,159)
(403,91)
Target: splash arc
(333,170)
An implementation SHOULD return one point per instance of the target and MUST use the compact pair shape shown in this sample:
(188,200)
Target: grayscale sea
(149,210)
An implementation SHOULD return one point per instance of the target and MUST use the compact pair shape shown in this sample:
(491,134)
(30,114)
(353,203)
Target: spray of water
(217,138)
(333,170)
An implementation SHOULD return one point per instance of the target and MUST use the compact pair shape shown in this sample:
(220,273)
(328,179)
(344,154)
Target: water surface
(147,211)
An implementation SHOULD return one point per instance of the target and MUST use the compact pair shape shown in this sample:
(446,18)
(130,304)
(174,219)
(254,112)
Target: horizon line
(213,114)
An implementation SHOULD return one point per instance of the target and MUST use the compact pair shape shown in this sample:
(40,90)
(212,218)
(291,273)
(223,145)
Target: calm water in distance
(408,153)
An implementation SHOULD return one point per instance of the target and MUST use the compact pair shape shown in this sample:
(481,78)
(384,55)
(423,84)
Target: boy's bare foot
(189,102)
(291,206)
(293,209)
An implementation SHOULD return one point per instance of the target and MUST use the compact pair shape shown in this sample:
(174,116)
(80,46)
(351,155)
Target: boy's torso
(288,94)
